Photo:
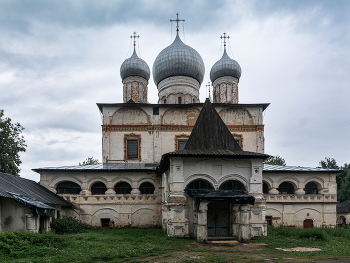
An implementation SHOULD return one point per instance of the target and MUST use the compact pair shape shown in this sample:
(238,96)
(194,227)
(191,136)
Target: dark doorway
(42,224)
(218,219)
(308,223)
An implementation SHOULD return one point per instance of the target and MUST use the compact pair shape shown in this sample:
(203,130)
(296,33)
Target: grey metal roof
(102,167)
(191,105)
(281,168)
(226,66)
(134,66)
(21,186)
(178,59)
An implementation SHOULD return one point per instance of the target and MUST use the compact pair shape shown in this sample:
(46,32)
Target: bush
(66,225)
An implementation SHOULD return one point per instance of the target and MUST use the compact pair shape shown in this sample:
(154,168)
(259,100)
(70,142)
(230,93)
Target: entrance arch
(308,223)
(218,219)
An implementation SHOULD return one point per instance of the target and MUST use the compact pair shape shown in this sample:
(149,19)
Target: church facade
(195,169)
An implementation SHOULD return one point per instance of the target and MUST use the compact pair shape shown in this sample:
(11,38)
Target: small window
(233,185)
(58,214)
(165,101)
(105,222)
(265,188)
(181,144)
(132,146)
(286,188)
(98,188)
(199,184)
(68,188)
(155,111)
(311,188)
(122,188)
(147,188)
(179,100)
(268,220)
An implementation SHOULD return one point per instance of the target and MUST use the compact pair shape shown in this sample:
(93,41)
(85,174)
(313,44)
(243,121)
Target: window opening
(133,149)
(200,184)
(311,189)
(179,99)
(68,188)
(265,188)
(98,188)
(286,188)
(233,185)
(165,101)
(147,188)
(155,111)
(105,222)
(122,188)
(181,144)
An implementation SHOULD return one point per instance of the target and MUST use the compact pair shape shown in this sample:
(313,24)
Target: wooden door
(218,219)
(308,223)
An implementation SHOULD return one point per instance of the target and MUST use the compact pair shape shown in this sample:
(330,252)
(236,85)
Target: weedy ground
(152,245)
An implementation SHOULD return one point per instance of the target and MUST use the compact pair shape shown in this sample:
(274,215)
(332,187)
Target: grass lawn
(152,245)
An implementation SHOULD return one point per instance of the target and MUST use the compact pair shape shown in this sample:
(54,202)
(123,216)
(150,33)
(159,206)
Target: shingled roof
(210,137)
(11,185)
(210,132)
(343,207)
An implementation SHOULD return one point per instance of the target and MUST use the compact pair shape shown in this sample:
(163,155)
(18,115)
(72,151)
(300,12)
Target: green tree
(343,177)
(11,144)
(328,163)
(89,161)
(276,160)
(343,183)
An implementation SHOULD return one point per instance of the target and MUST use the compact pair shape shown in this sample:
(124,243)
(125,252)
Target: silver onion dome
(226,66)
(178,59)
(134,66)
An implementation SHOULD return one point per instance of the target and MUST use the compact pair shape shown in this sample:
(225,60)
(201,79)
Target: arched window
(147,188)
(68,188)
(98,188)
(311,188)
(179,100)
(164,101)
(286,188)
(199,184)
(232,185)
(265,188)
(122,188)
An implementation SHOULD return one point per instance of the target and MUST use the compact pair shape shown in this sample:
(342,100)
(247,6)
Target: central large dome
(178,59)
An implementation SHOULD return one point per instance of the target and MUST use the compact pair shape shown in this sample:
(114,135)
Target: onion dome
(134,66)
(226,66)
(178,59)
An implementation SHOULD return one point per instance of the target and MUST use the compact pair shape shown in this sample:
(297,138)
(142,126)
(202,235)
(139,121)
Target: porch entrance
(218,219)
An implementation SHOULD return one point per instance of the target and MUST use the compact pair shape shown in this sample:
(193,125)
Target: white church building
(195,169)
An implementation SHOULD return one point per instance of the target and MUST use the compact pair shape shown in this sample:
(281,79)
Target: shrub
(66,225)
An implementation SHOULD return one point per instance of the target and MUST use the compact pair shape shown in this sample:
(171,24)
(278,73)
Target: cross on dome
(177,20)
(224,37)
(134,37)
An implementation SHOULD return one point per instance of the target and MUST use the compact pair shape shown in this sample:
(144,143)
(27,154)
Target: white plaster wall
(158,132)
(134,210)
(293,209)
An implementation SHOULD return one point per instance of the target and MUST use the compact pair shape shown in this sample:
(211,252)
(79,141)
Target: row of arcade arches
(100,188)
(202,184)
(311,188)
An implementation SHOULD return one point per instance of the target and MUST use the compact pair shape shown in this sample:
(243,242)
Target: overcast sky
(59,58)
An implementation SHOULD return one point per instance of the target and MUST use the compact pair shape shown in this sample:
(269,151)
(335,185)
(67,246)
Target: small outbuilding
(25,205)
(343,213)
